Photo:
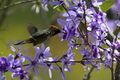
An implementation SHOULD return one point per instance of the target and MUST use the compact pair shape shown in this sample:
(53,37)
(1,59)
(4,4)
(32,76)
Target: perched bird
(38,37)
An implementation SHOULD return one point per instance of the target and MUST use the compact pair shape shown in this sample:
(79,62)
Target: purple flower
(33,64)
(43,52)
(16,61)
(97,21)
(4,64)
(97,3)
(97,30)
(45,4)
(95,50)
(19,72)
(99,17)
(69,29)
(4,67)
(49,65)
(87,56)
(78,12)
(67,60)
(56,3)
(41,55)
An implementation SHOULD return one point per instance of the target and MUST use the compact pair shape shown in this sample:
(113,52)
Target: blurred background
(13,28)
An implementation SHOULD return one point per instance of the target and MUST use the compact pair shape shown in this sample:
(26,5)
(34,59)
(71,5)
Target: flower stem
(87,77)
(112,67)
(112,73)
(117,71)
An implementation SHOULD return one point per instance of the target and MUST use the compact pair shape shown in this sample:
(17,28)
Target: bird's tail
(24,42)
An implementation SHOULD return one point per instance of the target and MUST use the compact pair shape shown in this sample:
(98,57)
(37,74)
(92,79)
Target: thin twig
(117,71)
(58,61)
(117,74)
(87,76)
(16,3)
(112,68)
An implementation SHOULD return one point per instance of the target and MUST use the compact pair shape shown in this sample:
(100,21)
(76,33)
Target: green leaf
(107,5)
(116,32)
(59,8)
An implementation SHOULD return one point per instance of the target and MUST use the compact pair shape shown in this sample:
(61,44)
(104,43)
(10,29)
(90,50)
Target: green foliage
(117,30)
(107,5)
(59,8)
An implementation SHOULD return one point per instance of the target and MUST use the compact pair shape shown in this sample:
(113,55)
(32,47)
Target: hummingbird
(38,37)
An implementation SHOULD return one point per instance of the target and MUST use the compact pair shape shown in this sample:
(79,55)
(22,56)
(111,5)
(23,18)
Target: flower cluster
(18,68)
(85,27)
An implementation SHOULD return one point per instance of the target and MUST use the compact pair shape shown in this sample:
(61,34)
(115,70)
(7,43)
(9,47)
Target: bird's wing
(32,29)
